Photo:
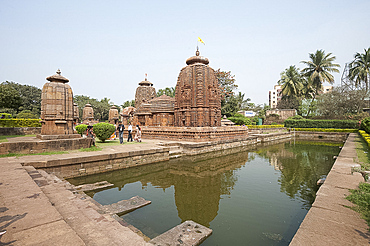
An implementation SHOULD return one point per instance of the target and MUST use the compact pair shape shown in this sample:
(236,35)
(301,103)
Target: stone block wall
(44,146)
(19,131)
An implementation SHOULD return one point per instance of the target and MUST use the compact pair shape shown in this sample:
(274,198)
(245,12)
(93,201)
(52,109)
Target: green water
(256,197)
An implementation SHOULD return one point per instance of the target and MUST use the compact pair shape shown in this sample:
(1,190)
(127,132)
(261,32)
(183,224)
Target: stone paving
(330,221)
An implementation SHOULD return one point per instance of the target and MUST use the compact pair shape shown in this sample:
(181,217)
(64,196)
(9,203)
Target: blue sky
(105,47)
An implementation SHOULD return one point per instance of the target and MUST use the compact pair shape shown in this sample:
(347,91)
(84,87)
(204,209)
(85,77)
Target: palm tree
(359,69)
(291,83)
(319,70)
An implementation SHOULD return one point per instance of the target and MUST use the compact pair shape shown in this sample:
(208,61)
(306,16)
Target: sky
(105,48)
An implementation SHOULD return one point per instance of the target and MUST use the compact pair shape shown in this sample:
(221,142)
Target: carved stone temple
(144,93)
(113,116)
(57,109)
(198,101)
(88,114)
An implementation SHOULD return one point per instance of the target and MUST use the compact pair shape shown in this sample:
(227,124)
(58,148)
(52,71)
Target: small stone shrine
(113,115)
(198,101)
(57,109)
(87,114)
(144,93)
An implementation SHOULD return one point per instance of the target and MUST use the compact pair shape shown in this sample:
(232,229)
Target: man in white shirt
(129,132)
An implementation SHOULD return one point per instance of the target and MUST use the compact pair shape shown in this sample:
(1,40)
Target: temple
(197,100)
(57,109)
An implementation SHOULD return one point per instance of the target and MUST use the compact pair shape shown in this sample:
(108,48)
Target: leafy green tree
(226,82)
(9,98)
(340,102)
(128,104)
(290,103)
(103,130)
(101,108)
(318,70)
(30,97)
(169,91)
(360,69)
(26,114)
(230,106)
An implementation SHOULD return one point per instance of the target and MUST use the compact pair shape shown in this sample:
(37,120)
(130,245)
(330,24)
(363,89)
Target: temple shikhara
(197,100)
(57,108)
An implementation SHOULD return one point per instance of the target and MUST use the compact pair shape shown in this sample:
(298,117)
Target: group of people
(121,128)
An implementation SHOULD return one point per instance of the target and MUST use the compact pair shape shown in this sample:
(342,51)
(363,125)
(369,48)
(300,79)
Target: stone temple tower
(57,108)
(198,100)
(144,93)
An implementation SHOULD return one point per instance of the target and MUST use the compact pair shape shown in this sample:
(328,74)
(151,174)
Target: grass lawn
(363,153)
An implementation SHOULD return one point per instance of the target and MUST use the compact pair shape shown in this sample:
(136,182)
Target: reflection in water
(192,188)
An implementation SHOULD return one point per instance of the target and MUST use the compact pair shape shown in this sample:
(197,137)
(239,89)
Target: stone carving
(144,93)
(197,100)
(56,107)
(76,114)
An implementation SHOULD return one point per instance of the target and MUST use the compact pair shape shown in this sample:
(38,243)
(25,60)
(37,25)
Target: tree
(9,98)
(30,97)
(101,108)
(26,114)
(128,104)
(341,102)
(169,91)
(359,69)
(318,70)
(226,82)
(290,103)
(291,82)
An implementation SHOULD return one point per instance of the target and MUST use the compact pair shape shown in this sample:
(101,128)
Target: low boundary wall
(19,131)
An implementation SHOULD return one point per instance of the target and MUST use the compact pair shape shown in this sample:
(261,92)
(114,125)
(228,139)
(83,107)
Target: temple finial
(58,71)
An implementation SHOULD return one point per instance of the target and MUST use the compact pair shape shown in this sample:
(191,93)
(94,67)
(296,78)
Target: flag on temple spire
(200,40)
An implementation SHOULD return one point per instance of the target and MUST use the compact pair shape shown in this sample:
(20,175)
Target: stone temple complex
(144,93)
(57,108)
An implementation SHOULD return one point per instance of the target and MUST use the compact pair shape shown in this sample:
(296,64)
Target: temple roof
(145,83)
(57,78)
(197,59)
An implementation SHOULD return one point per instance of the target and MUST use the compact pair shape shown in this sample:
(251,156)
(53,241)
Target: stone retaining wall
(75,167)
(334,136)
(19,131)
(195,134)
(44,146)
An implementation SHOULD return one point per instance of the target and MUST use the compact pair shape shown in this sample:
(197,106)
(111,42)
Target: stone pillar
(113,115)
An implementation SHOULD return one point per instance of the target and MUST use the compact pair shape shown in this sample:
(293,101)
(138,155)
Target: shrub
(20,123)
(326,130)
(103,130)
(81,129)
(305,123)
(6,116)
(264,126)
(239,119)
(295,117)
(365,124)
(26,114)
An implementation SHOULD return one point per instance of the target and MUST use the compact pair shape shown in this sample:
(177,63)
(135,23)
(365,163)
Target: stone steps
(81,213)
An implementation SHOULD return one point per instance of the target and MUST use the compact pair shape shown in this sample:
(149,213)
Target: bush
(239,119)
(20,123)
(326,130)
(295,117)
(103,130)
(81,129)
(26,114)
(264,126)
(6,116)
(365,124)
(305,123)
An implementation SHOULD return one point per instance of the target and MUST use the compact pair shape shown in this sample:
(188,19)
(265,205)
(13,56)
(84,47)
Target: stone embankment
(330,221)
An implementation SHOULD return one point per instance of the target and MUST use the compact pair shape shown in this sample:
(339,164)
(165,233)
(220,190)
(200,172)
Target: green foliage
(291,82)
(361,198)
(128,104)
(305,123)
(30,97)
(295,117)
(26,114)
(101,108)
(169,91)
(5,116)
(365,136)
(239,119)
(81,129)
(20,123)
(265,126)
(103,130)
(326,130)
(9,97)
(226,82)
(365,124)
(359,71)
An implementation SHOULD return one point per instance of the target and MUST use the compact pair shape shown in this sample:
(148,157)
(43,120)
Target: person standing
(90,133)
(129,132)
(120,129)
(138,134)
